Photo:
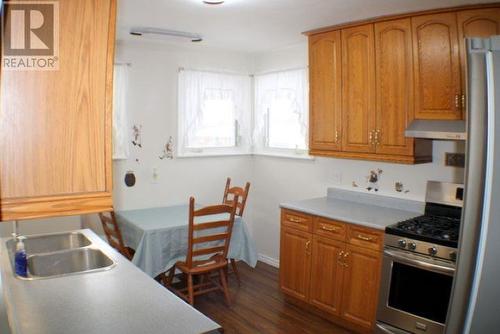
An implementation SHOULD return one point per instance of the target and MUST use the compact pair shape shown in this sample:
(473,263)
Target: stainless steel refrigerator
(475,303)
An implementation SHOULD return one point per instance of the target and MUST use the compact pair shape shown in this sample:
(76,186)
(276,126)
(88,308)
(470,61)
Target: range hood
(437,129)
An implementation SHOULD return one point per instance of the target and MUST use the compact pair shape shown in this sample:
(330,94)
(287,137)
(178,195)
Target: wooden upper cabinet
(476,23)
(358,95)
(295,262)
(436,67)
(56,125)
(325,91)
(361,286)
(326,274)
(394,86)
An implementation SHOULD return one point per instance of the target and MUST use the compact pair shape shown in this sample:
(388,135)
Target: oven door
(415,291)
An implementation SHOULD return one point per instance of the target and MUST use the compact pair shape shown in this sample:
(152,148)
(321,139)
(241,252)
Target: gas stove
(436,232)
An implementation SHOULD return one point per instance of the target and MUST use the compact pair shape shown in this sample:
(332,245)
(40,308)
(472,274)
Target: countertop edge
(330,216)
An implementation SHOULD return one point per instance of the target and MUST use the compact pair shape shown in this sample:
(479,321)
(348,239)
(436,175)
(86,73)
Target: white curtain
(196,88)
(121,128)
(289,85)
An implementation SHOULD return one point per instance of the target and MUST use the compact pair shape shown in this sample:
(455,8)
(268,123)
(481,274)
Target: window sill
(285,155)
(210,155)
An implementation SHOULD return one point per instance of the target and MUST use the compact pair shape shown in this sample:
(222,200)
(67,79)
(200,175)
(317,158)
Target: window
(281,112)
(121,128)
(214,113)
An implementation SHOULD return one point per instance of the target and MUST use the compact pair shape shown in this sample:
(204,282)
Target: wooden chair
(230,193)
(241,195)
(215,257)
(114,235)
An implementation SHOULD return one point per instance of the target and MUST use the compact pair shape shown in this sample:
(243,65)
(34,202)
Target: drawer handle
(362,237)
(308,244)
(330,228)
(294,219)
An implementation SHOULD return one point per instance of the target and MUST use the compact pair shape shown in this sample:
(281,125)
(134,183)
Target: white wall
(152,103)
(278,180)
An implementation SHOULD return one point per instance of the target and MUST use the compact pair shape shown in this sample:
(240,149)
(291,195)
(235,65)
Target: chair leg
(235,271)
(224,286)
(190,289)
(170,277)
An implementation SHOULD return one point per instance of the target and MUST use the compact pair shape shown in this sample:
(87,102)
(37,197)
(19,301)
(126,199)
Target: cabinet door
(358,94)
(361,285)
(295,262)
(476,23)
(394,86)
(326,274)
(436,67)
(325,91)
(56,125)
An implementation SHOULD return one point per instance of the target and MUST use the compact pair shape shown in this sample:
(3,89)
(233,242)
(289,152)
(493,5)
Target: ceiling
(258,25)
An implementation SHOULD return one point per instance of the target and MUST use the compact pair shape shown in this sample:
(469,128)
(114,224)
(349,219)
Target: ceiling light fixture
(213,2)
(139,31)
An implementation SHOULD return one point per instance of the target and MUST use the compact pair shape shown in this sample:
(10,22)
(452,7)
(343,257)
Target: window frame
(261,133)
(242,139)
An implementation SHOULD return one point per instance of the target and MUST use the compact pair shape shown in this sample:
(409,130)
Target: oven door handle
(417,262)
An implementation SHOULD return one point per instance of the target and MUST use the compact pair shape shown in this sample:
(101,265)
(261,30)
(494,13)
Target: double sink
(60,254)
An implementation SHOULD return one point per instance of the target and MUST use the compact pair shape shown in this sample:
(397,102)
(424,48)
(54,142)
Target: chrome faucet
(15,228)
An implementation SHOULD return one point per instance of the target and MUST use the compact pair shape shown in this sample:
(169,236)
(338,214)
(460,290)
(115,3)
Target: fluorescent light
(213,2)
(139,31)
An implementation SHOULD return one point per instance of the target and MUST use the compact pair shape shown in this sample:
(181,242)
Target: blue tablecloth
(160,237)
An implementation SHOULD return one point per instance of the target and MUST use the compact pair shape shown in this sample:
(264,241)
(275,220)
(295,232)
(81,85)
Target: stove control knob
(402,243)
(433,250)
(412,246)
(453,256)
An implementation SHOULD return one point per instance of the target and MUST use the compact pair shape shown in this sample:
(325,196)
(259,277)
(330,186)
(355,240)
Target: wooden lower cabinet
(295,264)
(360,287)
(338,277)
(326,274)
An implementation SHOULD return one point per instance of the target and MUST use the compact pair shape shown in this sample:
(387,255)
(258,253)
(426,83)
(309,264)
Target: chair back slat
(215,243)
(238,193)
(206,251)
(208,226)
(213,237)
(113,233)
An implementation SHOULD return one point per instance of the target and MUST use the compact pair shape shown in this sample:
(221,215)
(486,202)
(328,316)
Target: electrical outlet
(455,159)
(155,176)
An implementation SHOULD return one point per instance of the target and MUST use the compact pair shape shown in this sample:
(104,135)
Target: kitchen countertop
(120,300)
(365,209)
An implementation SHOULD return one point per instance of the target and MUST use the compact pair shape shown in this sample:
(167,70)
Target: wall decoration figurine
(137,137)
(168,150)
(399,187)
(373,179)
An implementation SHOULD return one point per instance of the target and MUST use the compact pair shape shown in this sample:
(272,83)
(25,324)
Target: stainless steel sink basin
(83,260)
(52,242)
(60,254)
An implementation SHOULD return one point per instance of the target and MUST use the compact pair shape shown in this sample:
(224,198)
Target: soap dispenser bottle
(21,261)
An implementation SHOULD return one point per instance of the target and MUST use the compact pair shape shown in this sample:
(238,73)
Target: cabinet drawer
(365,237)
(297,220)
(330,228)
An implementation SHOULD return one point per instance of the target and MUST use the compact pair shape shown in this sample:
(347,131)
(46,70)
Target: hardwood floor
(258,306)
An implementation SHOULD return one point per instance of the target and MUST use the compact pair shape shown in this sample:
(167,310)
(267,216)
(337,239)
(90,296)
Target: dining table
(159,237)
